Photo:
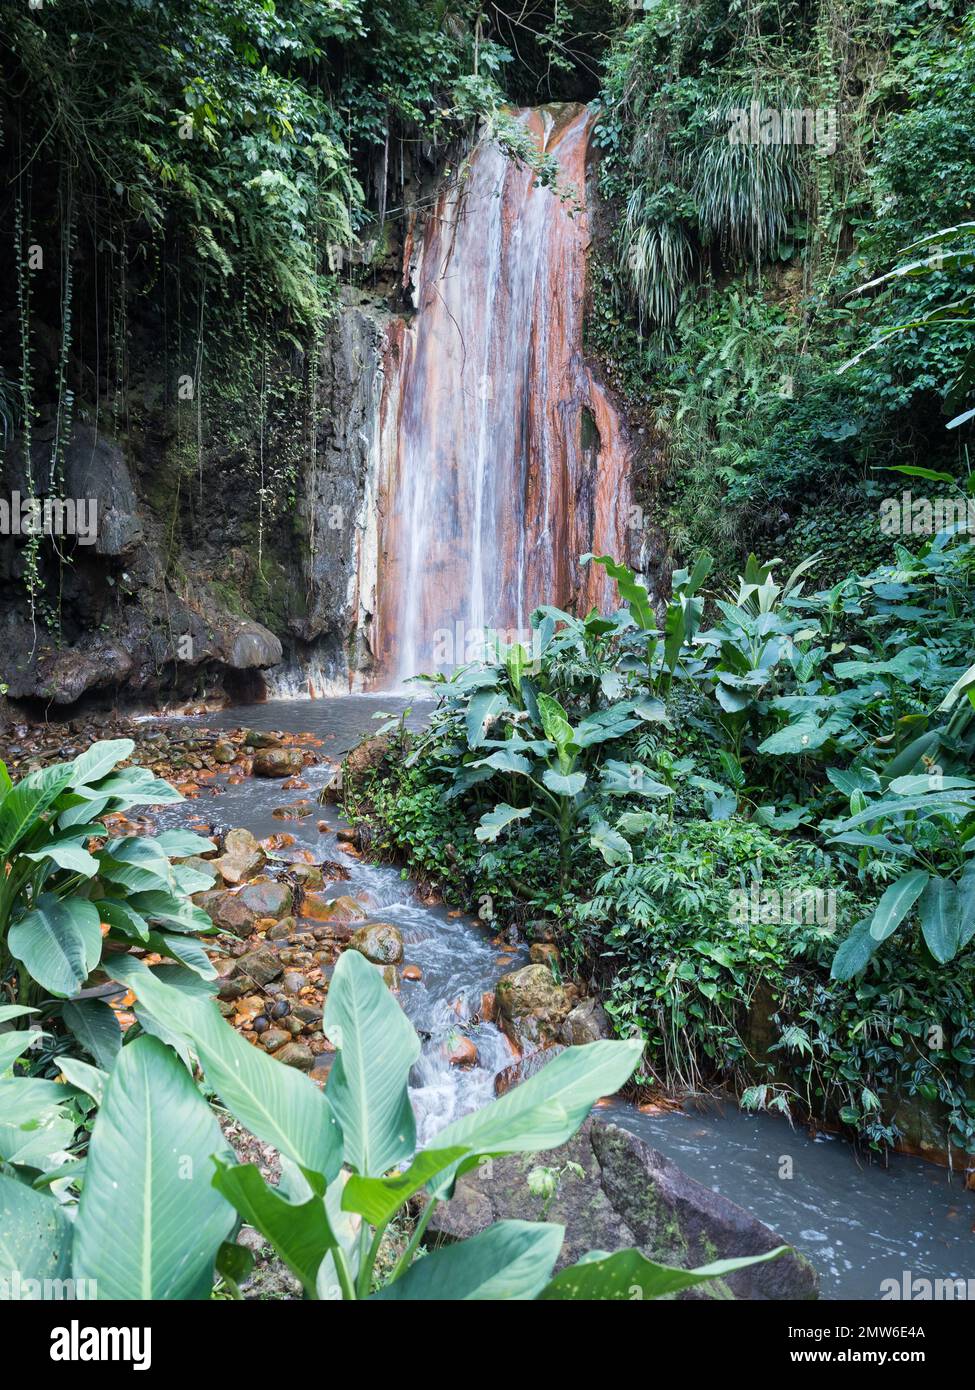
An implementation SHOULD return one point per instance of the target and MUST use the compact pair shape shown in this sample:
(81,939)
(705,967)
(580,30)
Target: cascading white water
(509,460)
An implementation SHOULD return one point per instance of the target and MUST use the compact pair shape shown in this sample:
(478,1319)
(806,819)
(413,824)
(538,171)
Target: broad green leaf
(80,811)
(631,779)
(186,949)
(98,761)
(180,844)
(804,736)
(123,918)
(510,1260)
(491,824)
(35,1234)
(188,880)
(59,943)
(275,1103)
(855,952)
(133,786)
(605,724)
(610,844)
(149,1222)
(483,709)
(68,855)
(934,804)
(963,683)
(13,1043)
(172,911)
(570,785)
(632,590)
(379,1199)
(599,1277)
(545,1110)
(938,909)
(367,1085)
(517,662)
(651,711)
(914,785)
(151,876)
(966,904)
(9,1011)
(87,1078)
(557,727)
(299,1232)
(27,1100)
(26,802)
(503,761)
(467,777)
(896,903)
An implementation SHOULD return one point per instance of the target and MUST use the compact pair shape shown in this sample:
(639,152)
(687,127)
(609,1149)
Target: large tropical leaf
(510,1260)
(67,854)
(378,1199)
(896,903)
(632,590)
(59,943)
(628,1273)
(278,1105)
(26,802)
(367,1085)
(504,760)
(610,844)
(545,1110)
(35,1234)
(491,824)
(570,784)
(966,905)
(940,925)
(98,761)
(150,1222)
(557,728)
(299,1231)
(483,709)
(631,779)
(855,952)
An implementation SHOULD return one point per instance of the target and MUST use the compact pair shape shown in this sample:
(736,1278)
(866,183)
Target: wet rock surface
(629,1195)
(531,1006)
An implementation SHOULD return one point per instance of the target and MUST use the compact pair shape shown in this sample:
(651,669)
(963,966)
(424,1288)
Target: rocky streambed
(292,890)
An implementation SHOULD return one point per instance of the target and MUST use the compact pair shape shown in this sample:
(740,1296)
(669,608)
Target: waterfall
(508,460)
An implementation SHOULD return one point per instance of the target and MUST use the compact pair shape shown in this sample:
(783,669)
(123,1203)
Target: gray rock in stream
(630,1196)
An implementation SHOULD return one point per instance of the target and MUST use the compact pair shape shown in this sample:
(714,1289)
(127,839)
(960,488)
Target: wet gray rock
(587,1022)
(95,469)
(259,966)
(630,1195)
(531,1006)
(252,645)
(295,1054)
(278,762)
(380,942)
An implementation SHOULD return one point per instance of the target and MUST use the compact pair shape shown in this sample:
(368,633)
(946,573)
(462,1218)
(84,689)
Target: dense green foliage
(149,1227)
(731,298)
(788,838)
(73,892)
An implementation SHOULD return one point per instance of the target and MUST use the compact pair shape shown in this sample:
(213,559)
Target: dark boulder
(630,1195)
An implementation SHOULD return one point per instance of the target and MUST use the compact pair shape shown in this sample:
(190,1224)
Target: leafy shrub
(148,1227)
(73,893)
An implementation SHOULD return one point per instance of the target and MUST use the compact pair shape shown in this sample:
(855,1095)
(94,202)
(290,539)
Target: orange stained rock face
(282,840)
(509,461)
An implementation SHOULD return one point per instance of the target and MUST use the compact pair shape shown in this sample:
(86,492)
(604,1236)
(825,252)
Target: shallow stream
(860,1223)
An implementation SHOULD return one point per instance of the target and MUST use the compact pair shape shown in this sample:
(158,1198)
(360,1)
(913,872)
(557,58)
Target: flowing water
(510,461)
(858,1223)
